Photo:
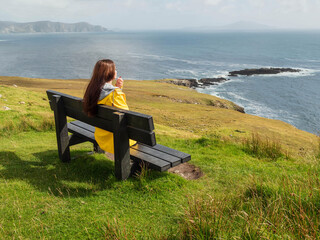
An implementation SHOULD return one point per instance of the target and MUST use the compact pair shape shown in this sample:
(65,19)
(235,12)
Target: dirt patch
(187,171)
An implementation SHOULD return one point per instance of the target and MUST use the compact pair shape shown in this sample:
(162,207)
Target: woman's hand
(119,83)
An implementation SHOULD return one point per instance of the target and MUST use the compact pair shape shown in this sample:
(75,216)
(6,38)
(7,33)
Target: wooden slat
(135,119)
(139,152)
(75,139)
(152,162)
(174,161)
(97,122)
(81,132)
(84,126)
(184,156)
(148,138)
(73,108)
(145,137)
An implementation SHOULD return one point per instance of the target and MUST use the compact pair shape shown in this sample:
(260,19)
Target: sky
(165,14)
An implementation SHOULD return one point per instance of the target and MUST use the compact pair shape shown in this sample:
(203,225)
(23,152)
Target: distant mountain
(48,27)
(237,26)
(243,25)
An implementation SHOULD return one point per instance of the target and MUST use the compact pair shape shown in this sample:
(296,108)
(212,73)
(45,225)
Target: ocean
(291,97)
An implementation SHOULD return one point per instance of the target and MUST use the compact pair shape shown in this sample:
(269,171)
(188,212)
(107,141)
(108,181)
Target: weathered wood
(60,119)
(184,156)
(86,131)
(140,126)
(97,149)
(94,121)
(134,119)
(124,124)
(81,132)
(174,161)
(121,147)
(142,136)
(147,138)
(75,139)
(151,161)
(83,125)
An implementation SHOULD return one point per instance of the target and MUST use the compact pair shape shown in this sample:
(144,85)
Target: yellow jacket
(110,96)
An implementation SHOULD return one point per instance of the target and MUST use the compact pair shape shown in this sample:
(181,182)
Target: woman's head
(104,71)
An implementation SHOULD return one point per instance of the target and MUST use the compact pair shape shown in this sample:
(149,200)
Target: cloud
(174,6)
(165,13)
(212,2)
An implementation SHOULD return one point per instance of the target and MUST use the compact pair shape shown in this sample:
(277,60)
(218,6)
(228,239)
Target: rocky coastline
(195,83)
(205,82)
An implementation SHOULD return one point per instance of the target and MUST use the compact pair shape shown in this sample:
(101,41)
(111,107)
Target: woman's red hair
(104,71)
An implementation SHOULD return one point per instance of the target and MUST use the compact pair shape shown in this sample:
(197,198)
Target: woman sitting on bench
(101,91)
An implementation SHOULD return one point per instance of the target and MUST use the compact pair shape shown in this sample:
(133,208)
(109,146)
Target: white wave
(311,60)
(183,71)
(303,73)
(256,108)
(157,57)
(292,59)
(191,62)
(1,40)
(302,60)
(223,74)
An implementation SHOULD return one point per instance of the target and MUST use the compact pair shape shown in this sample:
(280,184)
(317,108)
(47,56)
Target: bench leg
(97,149)
(121,147)
(60,119)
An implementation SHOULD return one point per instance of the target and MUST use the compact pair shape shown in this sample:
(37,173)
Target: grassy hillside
(181,108)
(260,186)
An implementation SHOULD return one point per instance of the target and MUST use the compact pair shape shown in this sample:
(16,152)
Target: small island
(261,71)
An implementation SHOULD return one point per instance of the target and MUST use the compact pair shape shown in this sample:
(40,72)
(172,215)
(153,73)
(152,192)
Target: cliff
(48,27)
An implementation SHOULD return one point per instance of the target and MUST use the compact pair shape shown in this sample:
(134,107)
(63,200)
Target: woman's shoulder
(119,91)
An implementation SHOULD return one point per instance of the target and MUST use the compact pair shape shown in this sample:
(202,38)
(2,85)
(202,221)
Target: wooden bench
(123,124)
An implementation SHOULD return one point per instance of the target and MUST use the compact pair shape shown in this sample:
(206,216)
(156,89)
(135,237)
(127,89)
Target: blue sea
(290,97)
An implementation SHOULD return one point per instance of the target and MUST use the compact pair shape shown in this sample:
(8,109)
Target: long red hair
(104,71)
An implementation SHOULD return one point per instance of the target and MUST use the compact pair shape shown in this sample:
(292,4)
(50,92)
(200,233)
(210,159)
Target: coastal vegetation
(260,176)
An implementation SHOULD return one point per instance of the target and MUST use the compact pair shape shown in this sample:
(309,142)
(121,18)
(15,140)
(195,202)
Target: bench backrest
(139,126)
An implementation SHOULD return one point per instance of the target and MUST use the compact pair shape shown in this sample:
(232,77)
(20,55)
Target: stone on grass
(6,108)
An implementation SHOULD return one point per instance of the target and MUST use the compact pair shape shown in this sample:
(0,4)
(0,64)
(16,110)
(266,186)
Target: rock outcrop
(260,71)
(191,83)
(194,83)
(211,81)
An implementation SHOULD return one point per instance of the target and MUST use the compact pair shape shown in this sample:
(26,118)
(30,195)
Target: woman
(101,91)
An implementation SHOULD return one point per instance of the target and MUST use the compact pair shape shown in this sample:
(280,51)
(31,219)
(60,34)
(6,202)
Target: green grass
(318,149)
(264,148)
(262,211)
(243,194)
(28,111)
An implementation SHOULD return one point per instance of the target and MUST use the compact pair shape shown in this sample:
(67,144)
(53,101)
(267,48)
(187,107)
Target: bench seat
(157,157)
